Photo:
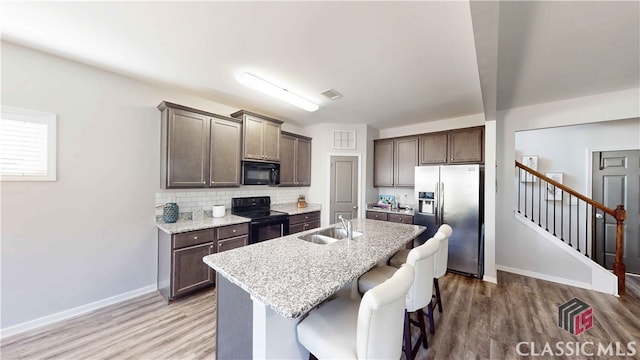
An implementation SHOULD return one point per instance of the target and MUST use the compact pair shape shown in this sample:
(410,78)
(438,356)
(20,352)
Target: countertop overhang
(292,276)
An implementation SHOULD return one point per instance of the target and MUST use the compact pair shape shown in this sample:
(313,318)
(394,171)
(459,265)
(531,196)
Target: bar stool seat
(343,328)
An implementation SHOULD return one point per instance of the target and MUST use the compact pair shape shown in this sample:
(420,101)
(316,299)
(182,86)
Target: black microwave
(259,173)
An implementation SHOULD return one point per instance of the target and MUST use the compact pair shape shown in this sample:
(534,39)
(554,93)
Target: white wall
(90,235)
(321,153)
(517,247)
(575,143)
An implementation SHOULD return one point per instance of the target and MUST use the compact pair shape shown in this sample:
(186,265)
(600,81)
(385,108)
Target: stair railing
(558,218)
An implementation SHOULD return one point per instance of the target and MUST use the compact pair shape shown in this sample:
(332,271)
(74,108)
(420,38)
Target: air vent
(332,94)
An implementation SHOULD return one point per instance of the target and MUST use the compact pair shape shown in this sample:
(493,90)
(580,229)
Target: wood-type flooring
(480,321)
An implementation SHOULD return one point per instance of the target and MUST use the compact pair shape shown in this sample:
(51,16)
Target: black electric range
(265,223)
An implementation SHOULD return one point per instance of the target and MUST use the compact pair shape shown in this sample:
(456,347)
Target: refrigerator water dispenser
(426,202)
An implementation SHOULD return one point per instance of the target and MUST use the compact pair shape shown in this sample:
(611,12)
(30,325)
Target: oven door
(267,229)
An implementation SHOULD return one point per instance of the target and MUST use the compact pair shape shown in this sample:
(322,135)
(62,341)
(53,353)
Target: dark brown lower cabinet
(377,215)
(302,222)
(393,217)
(188,272)
(180,267)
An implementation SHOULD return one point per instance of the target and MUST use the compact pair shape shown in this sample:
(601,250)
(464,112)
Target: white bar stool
(422,258)
(440,266)
(343,328)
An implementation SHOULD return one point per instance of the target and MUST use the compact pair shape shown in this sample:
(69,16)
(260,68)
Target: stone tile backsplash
(189,200)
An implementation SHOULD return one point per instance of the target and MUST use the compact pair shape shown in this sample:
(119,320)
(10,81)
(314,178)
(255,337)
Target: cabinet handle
(234,230)
(195,238)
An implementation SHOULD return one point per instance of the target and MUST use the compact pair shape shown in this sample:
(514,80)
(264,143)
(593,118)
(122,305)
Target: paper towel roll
(218,211)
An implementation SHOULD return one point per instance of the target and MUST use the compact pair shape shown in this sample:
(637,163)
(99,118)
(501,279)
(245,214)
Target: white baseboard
(490,279)
(67,314)
(545,277)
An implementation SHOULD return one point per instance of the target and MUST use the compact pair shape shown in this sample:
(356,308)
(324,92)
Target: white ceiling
(396,63)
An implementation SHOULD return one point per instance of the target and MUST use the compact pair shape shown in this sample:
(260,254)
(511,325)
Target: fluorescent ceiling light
(268,88)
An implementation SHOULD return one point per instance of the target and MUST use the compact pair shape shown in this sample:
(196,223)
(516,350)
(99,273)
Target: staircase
(566,218)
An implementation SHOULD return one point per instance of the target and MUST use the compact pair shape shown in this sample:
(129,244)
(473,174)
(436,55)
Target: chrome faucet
(348,226)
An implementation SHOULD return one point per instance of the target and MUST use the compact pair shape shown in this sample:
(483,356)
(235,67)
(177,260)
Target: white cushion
(329,332)
(381,317)
(422,258)
(443,254)
(375,277)
(399,258)
(370,329)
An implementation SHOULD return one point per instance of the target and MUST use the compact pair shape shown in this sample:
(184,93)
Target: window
(344,139)
(27,145)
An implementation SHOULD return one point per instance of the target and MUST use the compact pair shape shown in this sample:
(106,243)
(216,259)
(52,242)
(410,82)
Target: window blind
(26,148)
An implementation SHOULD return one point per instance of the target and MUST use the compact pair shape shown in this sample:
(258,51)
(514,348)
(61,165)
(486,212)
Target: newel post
(618,264)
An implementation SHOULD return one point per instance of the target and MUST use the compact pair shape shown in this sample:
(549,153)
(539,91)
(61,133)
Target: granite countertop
(206,223)
(390,211)
(292,276)
(292,208)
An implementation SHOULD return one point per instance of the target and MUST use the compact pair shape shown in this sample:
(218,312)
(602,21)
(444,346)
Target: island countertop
(292,276)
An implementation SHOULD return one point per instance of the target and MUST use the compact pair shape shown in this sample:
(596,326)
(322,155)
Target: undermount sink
(328,236)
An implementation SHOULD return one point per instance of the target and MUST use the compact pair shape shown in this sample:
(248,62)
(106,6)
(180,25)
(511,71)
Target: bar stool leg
(435,282)
(407,336)
(425,343)
(432,327)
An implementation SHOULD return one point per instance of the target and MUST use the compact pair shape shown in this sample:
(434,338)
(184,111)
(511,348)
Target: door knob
(355,208)
(599,216)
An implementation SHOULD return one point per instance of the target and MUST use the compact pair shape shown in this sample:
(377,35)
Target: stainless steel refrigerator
(454,195)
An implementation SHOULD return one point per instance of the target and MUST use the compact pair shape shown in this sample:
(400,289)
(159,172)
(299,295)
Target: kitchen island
(264,289)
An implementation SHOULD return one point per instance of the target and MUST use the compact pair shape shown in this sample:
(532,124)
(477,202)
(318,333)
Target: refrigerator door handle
(441,203)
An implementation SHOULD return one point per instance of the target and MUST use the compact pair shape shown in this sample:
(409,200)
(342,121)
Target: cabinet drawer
(399,218)
(302,218)
(296,228)
(192,238)
(232,243)
(377,215)
(225,232)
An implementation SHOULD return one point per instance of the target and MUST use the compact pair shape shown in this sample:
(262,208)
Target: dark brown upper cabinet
(466,145)
(295,160)
(261,136)
(198,149)
(452,147)
(395,161)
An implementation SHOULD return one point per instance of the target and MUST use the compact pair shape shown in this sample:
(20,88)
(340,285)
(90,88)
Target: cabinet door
(406,160)
(303,162)
(189,272)
(383,163)
(433,148)
(232,243)
(225,153)
(287,160)
(187,149)
(271,139)
(253,142)
(466,145)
